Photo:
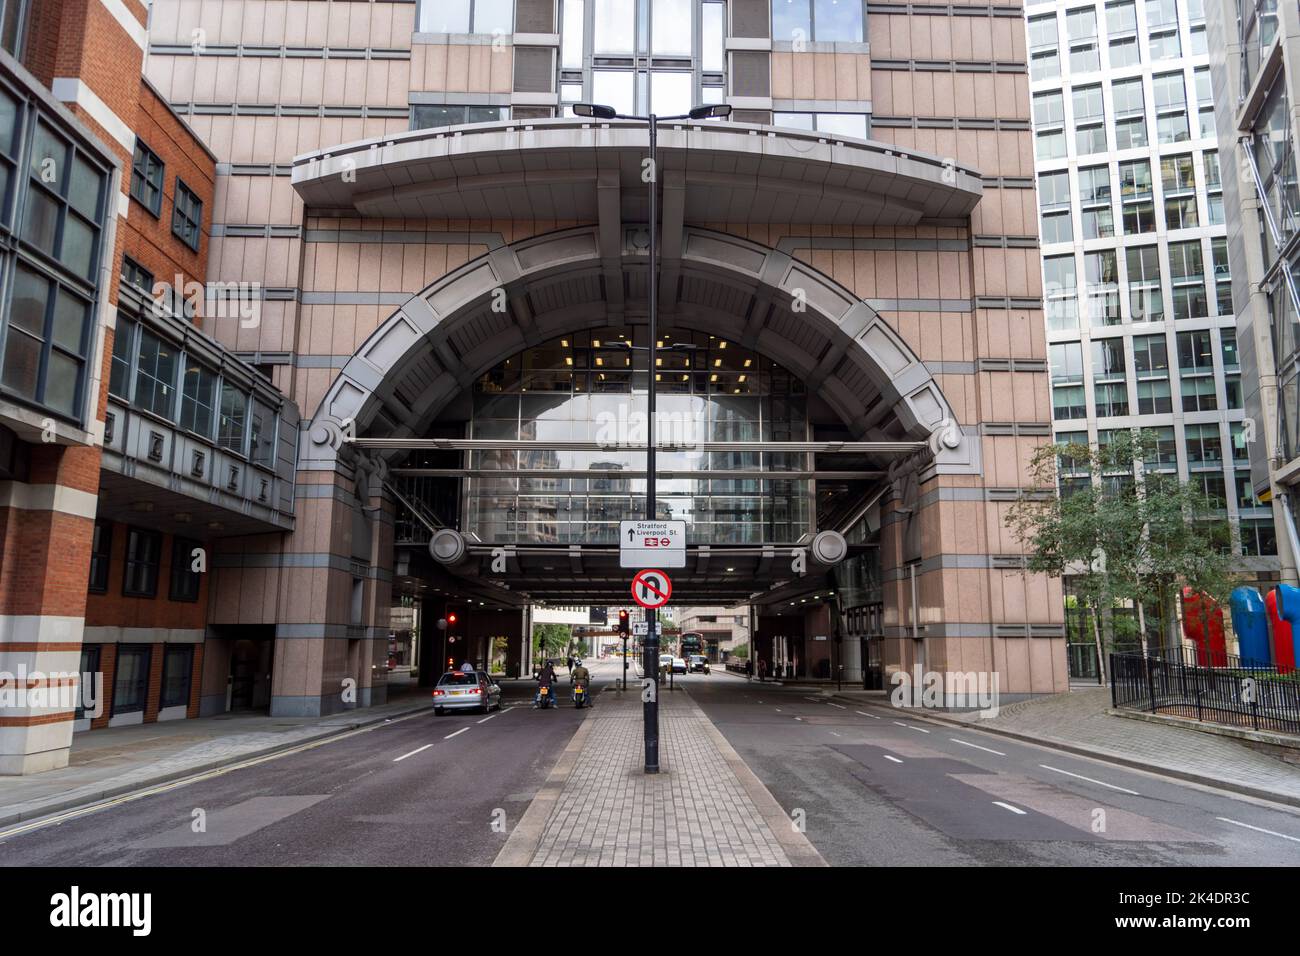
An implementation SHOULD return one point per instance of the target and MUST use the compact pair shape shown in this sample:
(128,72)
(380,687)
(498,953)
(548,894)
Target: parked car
(466,690)
(679,665)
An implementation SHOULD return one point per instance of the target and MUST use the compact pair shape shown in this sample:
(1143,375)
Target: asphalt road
(876,787)
(424,790)
(882,788)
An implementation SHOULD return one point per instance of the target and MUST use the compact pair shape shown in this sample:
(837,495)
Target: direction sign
(642,628)
(651,588)
(652,544)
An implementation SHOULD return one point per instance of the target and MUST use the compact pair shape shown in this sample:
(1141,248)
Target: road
(417,791)
(877,787)
(880,787)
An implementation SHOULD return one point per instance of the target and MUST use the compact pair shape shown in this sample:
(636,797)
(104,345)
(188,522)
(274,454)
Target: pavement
(703,808)
(1079,722)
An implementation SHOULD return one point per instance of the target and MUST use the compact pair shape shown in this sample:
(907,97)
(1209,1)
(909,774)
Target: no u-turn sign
(651,588)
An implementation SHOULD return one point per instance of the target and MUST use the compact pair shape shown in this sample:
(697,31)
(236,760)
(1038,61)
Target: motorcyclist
(581,677)
(545,678)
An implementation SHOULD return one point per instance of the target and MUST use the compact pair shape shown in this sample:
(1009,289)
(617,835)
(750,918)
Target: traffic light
(451,618)
(623,626)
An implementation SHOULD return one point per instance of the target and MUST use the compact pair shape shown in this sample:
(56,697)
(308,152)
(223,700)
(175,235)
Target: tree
(551,640)
(1126,533)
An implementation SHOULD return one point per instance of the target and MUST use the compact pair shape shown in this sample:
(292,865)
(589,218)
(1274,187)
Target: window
(1135,190)
(1101,274)
(63,212)
(143,553)
(1108,367)
(178,667)
(1130,114)
(44,353)
(1049,109)
(1188,275)
(155,375)
(1067,381)
(262,431)
(1044,55)
(466,16)
(232,422)
(1050,144)
(823,20)
(1228,348)
(1180,192)
(1164,452)
(185,580)
(119,376)
(1094,200)
(137,277)
(713,37)
(1146,302)
(101,547)
(90,658)
(1060,286)
(1165,46)
(1170,95)
(1204,445)
(1121,26)
(1258,536)
(433,117)
(187,216)
(841,124)
(198,398)
(147,178)
(131,678)
(1196,368)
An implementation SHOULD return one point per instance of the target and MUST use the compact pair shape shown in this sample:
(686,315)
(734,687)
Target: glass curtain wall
(583,387)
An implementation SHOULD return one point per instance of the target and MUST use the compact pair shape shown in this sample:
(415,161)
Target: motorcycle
(544,698)
(580,695)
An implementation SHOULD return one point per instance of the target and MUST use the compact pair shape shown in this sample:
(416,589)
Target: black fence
(1223,690)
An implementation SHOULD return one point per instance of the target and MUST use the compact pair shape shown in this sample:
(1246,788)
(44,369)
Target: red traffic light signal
(451,618)
(623,622)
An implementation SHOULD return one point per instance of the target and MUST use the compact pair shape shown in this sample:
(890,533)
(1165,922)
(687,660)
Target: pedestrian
(762,669)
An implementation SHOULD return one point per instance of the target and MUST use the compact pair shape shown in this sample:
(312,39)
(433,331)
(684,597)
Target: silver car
(466,690)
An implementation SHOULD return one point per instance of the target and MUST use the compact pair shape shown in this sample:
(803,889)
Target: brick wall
(115,609)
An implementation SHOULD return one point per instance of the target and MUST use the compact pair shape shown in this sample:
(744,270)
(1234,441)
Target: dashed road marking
(840,706)
(1238,823)
(455,733)
(412,753)
(895,759)
(965,743)
(1079,776)
(1007,806)
(865,714)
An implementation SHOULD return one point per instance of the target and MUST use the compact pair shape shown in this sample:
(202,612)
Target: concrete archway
(519,295)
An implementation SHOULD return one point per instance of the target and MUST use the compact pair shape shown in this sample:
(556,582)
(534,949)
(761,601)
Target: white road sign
(652,544)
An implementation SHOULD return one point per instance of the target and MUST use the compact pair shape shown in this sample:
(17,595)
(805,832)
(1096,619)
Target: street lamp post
(650,646)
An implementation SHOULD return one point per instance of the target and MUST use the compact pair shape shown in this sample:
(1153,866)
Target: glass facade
(582,387)
(1137,290)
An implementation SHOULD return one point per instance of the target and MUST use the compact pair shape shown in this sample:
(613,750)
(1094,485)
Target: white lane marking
(914,727)
(485,719)
(815,700)
(455,733)
(798,718)
(865,714)
(1100,783)
(895,759)
(1007,806)
(834,734)
(778,710)
(1238,823)
(412,753)
(977,746)
(840,706)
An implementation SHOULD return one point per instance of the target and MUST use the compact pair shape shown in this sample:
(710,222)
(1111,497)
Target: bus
(691,642)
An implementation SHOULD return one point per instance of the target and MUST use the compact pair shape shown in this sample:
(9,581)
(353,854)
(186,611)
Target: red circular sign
(651,588)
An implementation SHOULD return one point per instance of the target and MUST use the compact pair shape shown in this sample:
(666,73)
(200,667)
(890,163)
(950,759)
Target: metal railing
(1214,687)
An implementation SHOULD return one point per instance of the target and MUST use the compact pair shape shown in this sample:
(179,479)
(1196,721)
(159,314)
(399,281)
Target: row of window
(1129,125)
(1151,368)
(154,374)
(657,27)
(131,675)
(52,213)
(1096,301)
(148,174)
(1083,42)
(140,571)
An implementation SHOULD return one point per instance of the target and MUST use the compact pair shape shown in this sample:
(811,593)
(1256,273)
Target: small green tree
(1125,532)
(551,640)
